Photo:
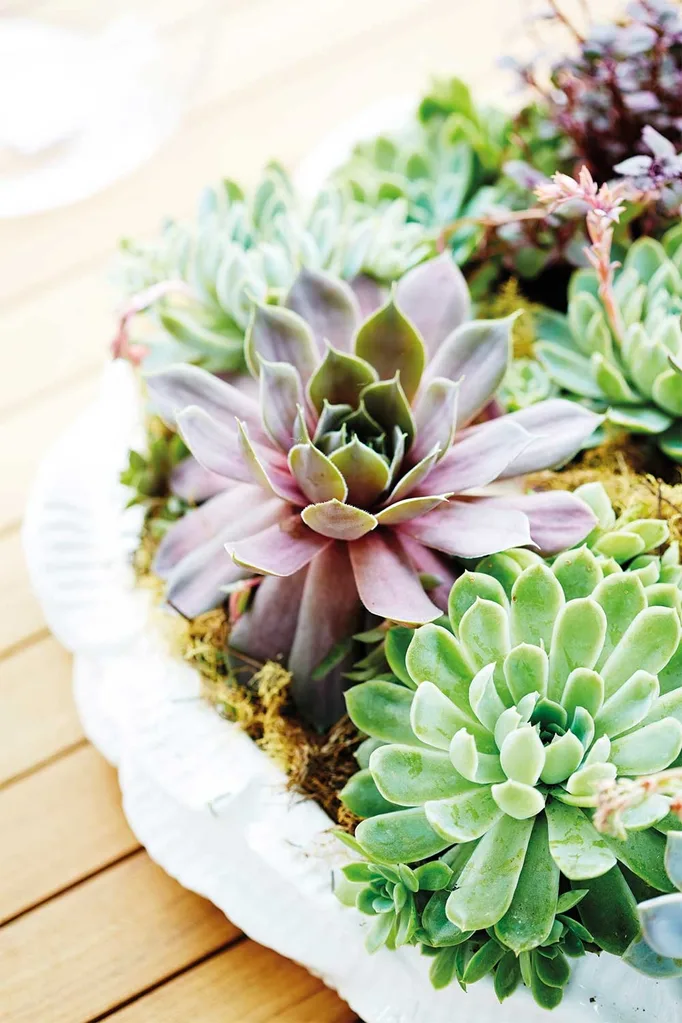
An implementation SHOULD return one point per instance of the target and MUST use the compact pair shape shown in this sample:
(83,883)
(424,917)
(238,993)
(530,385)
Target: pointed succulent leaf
(316,475)
(339,379)
(478,353)
(414,477)
(435,414)
(609,911)
(487,884)
(621,545)
(537,599)
(667,392)
(526,671)
(582,308)
(387,404)
(410,508)
(365,472)
(578,572)
(481,768)
(587,780)
(594,495)
(410,776)
(576,641)
(529,919)
(328,305)
(578,850)
(466,816)
(338,521)
(362,797)
(612,382)
(389,342)
(643,853)
(401,837)
(484,699)
(279,335)
(571,371)
(281,398)
(435,298)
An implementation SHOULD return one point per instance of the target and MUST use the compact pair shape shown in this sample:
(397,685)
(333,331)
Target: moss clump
(509,299)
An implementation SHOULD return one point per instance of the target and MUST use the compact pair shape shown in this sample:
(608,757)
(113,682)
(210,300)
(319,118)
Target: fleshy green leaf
(465,817)
(526,670)
(537,599)
(316,475)
(409,776)
(382,709)
(389,342)
(401,837)
(488,882)
(609,911)
(578,850)
(649,643)
(339,380)
(578,572)
(363,469)
(649,749)
(466,590)
(434,655)
(387,404)
(362,797)
(577,641)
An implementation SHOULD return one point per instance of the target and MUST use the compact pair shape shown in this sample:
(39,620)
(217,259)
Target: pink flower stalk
(604,207)
(360,471)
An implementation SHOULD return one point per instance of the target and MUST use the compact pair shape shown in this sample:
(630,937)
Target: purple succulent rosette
(359,476)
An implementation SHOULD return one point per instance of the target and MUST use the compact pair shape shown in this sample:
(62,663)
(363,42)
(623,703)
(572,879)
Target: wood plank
(71,811)
(97,945)
(27,435)
(306,81)
(38,717)
(20,615)
(244,984)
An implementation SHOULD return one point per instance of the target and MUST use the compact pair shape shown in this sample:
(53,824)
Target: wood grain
(243,984)
(59,825)
(38,718)
(94,947)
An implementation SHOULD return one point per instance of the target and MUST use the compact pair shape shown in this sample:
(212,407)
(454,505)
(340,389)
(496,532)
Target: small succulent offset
(500,731)
(204,280)
(635,378)
(341,487)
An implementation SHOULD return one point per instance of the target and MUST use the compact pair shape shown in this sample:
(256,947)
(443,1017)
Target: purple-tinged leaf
(174,389)
(558,520)
(196,583)
(435,414)
(410,508)
(328,306)
(478,459)
(193,483)
(281,397)
(365,471)
(414,478)
(388,585)
(266,630)
(338,521)
(339,379)
(316,475)
(268,475)
(279,335)
(281,549)
(434,297)
(202,524)
(389,342)
(560,427)
(369,293)
(330,611)
(214,445)
(428,563)
(470,529)
(477,354)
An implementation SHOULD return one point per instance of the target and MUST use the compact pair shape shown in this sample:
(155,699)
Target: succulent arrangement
(344,413)
(345,478)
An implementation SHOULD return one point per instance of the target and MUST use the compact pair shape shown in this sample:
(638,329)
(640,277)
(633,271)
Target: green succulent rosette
(637,378)
(497,731)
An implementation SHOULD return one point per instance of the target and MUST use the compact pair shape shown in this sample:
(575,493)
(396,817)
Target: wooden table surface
(93,930)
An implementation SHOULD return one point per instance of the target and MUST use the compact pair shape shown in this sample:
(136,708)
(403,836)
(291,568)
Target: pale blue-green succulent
(661,917)
(501,729)
(635,378)
(248,249)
